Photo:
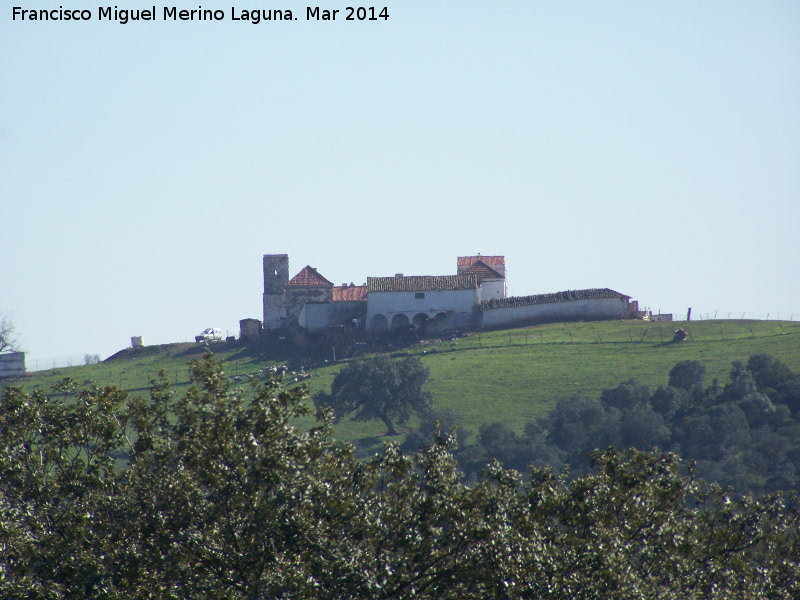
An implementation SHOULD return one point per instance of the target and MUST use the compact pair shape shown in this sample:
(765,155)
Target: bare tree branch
(8,334)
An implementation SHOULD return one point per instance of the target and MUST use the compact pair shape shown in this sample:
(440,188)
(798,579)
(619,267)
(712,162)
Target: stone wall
(319,315)
(249,328)
(297,297)
(276,275)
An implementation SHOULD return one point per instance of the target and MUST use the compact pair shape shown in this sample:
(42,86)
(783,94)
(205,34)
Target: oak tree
(379,388)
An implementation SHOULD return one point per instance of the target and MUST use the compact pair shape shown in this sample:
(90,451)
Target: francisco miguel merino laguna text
(172,13)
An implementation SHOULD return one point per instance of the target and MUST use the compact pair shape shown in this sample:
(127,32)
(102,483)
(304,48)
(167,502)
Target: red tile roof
(349,293)
(422,283)
(465,261)
(483,271)
(309,277)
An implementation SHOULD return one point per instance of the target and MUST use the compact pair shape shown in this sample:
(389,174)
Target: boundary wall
(590,309)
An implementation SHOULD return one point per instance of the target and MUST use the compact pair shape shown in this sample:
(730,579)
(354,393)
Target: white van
(212,334)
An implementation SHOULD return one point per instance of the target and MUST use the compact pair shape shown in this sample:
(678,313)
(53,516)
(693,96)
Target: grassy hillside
(511,376)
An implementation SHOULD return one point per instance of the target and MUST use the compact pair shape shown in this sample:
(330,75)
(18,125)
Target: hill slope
(509,376)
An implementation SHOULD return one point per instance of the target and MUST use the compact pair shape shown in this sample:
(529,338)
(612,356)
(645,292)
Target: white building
(492,281)
(475,298)
(396,302)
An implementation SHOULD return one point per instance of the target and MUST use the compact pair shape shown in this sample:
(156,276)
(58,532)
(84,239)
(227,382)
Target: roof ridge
(422,283)
(308,276)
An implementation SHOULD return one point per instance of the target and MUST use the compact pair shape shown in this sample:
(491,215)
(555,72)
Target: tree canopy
(212,496)
(379,388)
(745,435)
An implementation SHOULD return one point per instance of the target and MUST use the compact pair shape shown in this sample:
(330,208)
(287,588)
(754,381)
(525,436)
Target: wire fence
(638,332)
(45,364)
(737,315)
(76,360)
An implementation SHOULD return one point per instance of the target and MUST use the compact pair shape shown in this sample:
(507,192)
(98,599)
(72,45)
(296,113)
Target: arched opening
(399,320)
(419,319)
(440,316)
(378,322)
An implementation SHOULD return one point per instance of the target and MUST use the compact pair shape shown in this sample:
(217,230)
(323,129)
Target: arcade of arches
(401,320)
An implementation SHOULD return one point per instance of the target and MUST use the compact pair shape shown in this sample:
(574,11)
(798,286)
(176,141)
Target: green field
(511,376)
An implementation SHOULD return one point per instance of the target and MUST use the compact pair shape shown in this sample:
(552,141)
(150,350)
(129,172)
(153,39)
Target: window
(419,296)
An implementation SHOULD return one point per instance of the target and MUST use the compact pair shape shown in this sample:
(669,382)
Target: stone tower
(276,275)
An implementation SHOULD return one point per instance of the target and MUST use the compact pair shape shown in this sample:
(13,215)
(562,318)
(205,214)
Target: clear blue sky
(649,147)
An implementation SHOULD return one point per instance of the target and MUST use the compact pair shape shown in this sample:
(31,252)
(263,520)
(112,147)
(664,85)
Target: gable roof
(569,295)
(349,293)
(309,277)
(422,283)
(483,271)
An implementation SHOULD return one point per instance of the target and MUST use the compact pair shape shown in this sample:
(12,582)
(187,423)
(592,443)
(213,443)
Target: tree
(8,334)
(218,494)
(579,425)
(775,379)
(432,425)
(688,375)
(626,396)
(379,388)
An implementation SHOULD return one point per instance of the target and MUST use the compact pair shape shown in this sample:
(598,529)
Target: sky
(145,168)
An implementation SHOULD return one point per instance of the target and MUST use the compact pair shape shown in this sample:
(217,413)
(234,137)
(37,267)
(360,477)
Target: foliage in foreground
(211,497)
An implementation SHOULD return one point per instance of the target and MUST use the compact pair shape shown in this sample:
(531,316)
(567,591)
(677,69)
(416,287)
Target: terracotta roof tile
(308,276)
(422,283)
(591,294)
(349,293)
(465,261)
(483,271)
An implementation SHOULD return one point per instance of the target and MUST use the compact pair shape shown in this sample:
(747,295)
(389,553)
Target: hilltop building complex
(474,298)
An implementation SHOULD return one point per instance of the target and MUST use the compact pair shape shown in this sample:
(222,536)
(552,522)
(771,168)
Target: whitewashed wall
(493,289)
(390,304)
(12,364)
(594,308)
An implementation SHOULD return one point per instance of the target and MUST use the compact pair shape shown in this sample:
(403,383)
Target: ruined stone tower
(276,276)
